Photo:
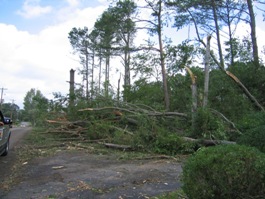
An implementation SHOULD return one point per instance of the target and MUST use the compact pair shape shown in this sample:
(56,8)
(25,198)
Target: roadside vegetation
(202,98)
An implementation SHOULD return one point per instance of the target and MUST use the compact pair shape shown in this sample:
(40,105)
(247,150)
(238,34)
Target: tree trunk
(217,34)
(253,33)
(92,75)
(99,73)
(127,76)
(118,90)
(231,43)
(194,97)
(162,58)
(107,76)
(86,72)
(206,73)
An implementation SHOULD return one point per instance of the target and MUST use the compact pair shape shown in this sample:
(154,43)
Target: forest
(142,90)
(209,86)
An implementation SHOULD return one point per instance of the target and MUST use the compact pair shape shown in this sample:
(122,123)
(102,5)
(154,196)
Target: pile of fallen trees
(118,119)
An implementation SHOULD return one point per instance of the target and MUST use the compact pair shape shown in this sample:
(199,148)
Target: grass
(178,194)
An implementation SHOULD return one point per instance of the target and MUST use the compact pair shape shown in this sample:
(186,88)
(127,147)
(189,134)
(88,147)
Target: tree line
(116,30)
(215,77)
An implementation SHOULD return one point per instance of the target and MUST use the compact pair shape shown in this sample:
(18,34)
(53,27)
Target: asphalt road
(82,174)
(8,162)
(17,135)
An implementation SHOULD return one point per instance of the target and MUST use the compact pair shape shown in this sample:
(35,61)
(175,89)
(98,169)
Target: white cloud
(32,9)
(41,60)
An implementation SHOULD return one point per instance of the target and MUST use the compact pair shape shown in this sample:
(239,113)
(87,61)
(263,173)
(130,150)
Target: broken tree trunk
(118,146)
(207,142)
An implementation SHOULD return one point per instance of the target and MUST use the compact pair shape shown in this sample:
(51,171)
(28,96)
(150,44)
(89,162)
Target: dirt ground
(77,174)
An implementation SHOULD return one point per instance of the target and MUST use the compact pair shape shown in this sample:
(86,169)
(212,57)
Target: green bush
(167,144)
(225,172)
(254,137)
(207,125)
(251,120)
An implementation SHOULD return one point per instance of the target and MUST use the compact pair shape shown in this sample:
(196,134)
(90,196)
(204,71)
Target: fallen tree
(131,127)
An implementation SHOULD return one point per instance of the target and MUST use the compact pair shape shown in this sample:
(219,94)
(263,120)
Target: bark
(118,146)
(217,29)
(206,73)
(86,74)
(253,33)
(118,90)
(149,113)
(207,142)
(162,58)
(92,74)
(127,75)
(72,88)
(231,45)
(194,97)
(107,76)
(99,73)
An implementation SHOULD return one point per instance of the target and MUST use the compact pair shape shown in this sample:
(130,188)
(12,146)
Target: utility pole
(2,92)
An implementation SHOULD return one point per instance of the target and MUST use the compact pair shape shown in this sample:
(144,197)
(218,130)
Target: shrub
(167,144)
(252,120)
(225,172)
(254,137)
(207,125)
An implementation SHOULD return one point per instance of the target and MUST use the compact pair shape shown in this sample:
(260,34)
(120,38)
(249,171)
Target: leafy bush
(252,120)
(167,144)
(207,125)
(225,172)
(254,137)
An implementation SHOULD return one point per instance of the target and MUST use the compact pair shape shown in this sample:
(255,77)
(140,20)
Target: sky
(35,51)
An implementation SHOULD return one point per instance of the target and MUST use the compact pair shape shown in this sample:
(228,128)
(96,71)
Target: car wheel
(6,149)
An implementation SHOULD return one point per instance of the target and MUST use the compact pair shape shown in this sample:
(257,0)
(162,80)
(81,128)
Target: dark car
(5,133)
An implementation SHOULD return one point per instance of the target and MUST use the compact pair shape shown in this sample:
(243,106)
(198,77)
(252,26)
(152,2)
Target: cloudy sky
(34,48)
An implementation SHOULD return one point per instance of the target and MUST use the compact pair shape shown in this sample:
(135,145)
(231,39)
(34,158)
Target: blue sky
(34,48)
(34,15)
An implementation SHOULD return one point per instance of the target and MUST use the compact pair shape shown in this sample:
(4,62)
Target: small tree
(35,107)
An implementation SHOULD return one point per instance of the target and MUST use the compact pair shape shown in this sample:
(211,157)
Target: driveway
(70,174)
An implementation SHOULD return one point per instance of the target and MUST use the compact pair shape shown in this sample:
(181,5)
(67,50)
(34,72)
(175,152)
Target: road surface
(17,135)
(81,174)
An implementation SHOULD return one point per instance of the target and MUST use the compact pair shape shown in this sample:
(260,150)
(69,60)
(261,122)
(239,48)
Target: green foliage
(226,97)
(178,194)
(180,95)
(225,172)
(172,144)
(150,94)
(180,56)
(254,137)
(207,125)
(35,107)
(169,144)
(11,110)
(252,77)
(251,120)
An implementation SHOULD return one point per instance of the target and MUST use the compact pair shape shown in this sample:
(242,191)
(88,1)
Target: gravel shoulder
(80,174)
